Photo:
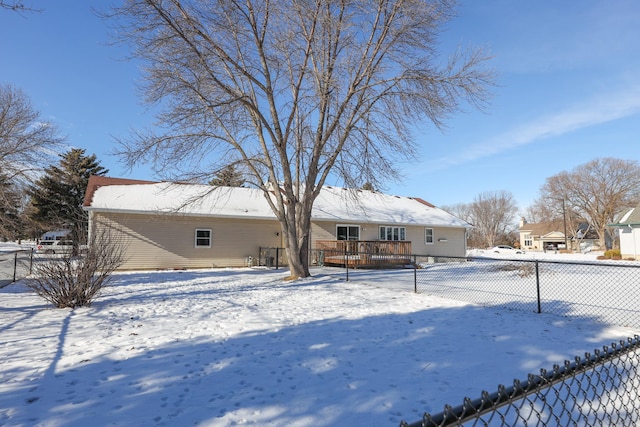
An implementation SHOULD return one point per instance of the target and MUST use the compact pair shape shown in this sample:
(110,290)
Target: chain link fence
(271,257)
(601,389)
(603,291)
(15,265)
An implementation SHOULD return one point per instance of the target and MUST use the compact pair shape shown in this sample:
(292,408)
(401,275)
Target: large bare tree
(597,190)
(554,209)
(493,216)
(295,91)
(27,142)
(541,210)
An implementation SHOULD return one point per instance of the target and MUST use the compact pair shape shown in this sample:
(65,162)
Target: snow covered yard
(243,347)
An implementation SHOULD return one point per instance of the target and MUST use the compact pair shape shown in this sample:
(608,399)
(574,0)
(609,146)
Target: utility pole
(564,218)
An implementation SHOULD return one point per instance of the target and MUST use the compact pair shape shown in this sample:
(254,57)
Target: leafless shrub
(523,269)
(527,270)
(506,267)
(75,281)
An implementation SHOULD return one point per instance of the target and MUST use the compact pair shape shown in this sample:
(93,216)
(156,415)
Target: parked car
(504,249)
(55,247)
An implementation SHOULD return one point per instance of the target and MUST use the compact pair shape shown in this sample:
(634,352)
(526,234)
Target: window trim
(209,238)
(348,226)
(402,233)
(432,235)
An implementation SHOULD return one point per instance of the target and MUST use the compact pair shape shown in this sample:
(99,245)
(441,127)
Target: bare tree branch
(17,6)
(27,142)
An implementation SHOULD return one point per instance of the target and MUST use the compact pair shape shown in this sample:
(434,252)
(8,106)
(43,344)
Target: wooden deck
(363,253)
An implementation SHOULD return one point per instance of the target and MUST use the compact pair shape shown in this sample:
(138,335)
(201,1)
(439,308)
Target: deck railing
(362,253)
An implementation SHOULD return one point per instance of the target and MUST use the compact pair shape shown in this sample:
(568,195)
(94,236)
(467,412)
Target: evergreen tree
(10,208)
(31,229)
(228,177)
(58,195)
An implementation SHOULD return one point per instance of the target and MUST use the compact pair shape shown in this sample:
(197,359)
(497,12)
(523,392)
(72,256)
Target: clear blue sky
(568,91)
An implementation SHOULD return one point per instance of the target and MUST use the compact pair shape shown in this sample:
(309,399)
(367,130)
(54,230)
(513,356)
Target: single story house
(628,226)
(550,235)
(166,225)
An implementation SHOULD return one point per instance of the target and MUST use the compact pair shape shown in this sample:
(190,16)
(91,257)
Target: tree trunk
(298,260)
(296,226)
(602,237)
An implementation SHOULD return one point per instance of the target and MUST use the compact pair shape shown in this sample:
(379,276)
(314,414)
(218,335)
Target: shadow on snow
(375,370)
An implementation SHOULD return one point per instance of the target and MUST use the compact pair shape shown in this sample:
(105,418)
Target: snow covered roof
(333,204)
(630,217)
(341,204)
(543,228)
(184,199)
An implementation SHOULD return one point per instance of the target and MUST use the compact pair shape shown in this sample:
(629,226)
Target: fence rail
(15,265)
(601,389)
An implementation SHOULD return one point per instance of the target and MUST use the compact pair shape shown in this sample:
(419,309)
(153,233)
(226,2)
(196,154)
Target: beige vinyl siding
(455,244)
(322,231)
(168,242)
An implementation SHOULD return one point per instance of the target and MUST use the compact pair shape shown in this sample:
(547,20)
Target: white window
(428,236)
(528,240)
(203,237)
(392,233)
(348,232)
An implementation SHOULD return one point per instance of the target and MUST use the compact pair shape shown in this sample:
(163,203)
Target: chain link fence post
(15,266)
(538,286)
(346,260)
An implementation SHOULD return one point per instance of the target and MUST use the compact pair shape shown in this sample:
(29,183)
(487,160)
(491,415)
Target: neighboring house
(586,238)
(541,236)
(168,225)
(550,236)
(629,232)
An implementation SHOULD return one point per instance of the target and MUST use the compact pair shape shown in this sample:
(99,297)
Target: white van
(55,247)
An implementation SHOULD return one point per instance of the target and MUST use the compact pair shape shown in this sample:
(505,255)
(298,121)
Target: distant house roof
(543,228)
(551,228)
(628,218)
(333,203)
